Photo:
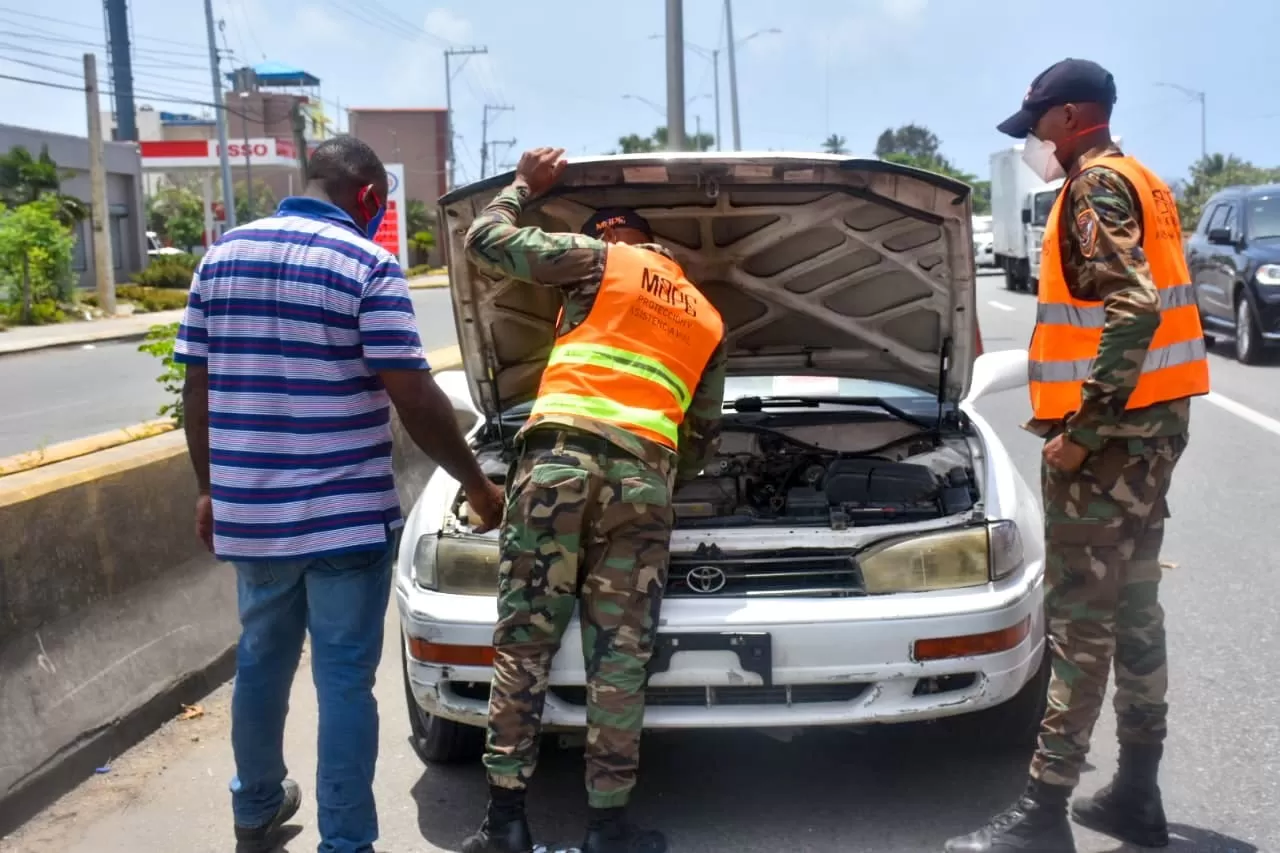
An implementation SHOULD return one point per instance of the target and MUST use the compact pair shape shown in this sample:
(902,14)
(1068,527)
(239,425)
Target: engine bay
(766,475)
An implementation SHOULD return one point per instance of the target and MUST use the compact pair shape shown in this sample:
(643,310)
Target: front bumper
(846,661)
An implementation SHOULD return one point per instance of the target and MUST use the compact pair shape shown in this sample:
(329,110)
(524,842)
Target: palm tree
(834,144)
(24,179)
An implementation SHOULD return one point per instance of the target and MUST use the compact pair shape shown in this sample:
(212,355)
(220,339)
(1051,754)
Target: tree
(176,215)
(835,144)
(24,179)
(912,140)
(264,202)
(35,258)
(633,143)
(914,145)
(1213,173)
(420,224)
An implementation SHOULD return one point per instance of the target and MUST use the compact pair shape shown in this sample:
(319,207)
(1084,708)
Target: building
(123,163)
(416,138)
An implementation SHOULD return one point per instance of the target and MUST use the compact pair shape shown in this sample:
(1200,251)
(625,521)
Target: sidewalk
(30,338)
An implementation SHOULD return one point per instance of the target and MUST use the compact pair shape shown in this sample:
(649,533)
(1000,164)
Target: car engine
(764,476)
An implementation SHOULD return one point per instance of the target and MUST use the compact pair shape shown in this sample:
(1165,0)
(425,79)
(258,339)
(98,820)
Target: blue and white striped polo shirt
(294,315)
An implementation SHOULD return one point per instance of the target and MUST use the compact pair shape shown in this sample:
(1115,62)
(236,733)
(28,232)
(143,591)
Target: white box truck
(1020,205)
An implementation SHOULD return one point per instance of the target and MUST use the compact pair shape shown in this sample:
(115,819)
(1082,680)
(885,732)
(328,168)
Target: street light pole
(733,75)
(675,75)
(715,64)
(220,110)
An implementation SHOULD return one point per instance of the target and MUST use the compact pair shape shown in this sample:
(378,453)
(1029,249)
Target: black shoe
(1037,823)
(1129,808)
(264,839)
(609,832)
(505,828)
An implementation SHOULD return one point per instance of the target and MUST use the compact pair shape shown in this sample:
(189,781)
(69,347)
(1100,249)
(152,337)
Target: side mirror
(1221,237)
(1026,216)
(1002,370)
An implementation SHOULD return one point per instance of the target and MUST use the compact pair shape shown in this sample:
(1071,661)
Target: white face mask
(1042,157)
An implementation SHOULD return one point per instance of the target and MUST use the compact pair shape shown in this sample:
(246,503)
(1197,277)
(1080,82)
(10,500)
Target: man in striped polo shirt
(298,333)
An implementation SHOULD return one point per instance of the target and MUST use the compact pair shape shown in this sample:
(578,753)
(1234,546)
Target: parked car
(1234,260)
(861,551)
(156,249)
(984,246)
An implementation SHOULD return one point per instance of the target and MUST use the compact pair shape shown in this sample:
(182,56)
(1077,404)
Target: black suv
(1234,257)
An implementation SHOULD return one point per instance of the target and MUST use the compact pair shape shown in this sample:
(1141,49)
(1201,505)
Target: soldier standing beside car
(630,401)
(1116,355)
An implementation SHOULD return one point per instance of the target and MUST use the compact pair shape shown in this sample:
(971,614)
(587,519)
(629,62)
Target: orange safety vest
(1069,330)
(636,358)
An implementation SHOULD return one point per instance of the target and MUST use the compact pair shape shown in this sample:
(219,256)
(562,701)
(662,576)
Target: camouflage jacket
(574,263)
(1108,265)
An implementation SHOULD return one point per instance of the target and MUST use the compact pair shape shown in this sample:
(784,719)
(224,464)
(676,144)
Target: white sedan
(861,551)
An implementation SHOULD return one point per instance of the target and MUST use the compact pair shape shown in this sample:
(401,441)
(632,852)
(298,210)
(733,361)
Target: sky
(849,67)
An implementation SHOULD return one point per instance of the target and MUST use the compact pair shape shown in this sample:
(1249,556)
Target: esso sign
(253,149)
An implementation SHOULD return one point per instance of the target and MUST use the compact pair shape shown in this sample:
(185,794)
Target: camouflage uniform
(1104,523)
(588,516)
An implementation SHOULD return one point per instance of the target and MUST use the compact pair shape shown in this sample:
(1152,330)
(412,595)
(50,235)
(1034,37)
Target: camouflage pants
(583,521)
(1104,526)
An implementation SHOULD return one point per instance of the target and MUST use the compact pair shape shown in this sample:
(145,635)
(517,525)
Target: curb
(77,447)
(92,338)
(79,761)
(445,358)
(429,282)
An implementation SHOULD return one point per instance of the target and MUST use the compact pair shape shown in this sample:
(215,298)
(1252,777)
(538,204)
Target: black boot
(505,828)
(1037,823)
(609,832)
(265,838)
(1129,808)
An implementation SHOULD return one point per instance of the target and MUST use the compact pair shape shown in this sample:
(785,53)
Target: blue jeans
(342,601)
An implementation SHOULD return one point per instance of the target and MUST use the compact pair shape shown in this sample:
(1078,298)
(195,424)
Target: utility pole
(121,69)
(1199,96)
(248,168)
(103,268)
(733,74)
(448,101)
(484,134)
(493,154)
(715,63)
(675,75)
(220,107)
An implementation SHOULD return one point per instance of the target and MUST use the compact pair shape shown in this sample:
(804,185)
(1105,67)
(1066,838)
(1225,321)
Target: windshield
(1264,217)
(1042,204)
(794,386)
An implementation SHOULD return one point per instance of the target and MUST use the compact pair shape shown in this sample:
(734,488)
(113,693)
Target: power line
(81,25)
(248,23)
(37,36)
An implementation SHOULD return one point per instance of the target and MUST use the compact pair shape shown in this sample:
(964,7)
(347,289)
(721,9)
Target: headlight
(951,560)
(460,565)
(1268,274)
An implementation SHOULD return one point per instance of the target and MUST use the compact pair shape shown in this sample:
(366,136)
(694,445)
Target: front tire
(435,740)
(1248,337)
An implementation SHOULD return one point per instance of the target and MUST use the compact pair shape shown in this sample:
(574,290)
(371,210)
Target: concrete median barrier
(112,614)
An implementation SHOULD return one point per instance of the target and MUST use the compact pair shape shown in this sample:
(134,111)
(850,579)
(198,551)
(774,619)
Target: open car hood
(819,265)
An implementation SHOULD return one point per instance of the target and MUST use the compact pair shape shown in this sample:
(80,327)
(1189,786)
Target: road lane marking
(1000,305)
(1242,411)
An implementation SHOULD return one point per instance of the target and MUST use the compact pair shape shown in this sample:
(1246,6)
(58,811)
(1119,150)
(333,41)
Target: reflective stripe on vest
(600,409)
(1068,331)
(628,362)
(633,360)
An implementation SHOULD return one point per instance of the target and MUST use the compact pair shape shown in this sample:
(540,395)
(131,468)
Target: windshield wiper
(756,404)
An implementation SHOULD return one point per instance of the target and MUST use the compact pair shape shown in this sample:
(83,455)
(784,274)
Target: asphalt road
(873,793)
(62,394)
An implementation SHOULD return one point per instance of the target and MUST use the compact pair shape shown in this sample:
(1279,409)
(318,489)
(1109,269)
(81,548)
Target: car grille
(806,573)
(711,697)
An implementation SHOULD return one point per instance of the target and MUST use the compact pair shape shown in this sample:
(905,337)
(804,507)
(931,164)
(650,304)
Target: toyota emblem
(706,579)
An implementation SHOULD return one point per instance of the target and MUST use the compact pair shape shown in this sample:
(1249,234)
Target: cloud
(447,25)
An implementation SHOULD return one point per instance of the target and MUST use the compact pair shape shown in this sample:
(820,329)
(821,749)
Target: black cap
(615,217)
(1071,81)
